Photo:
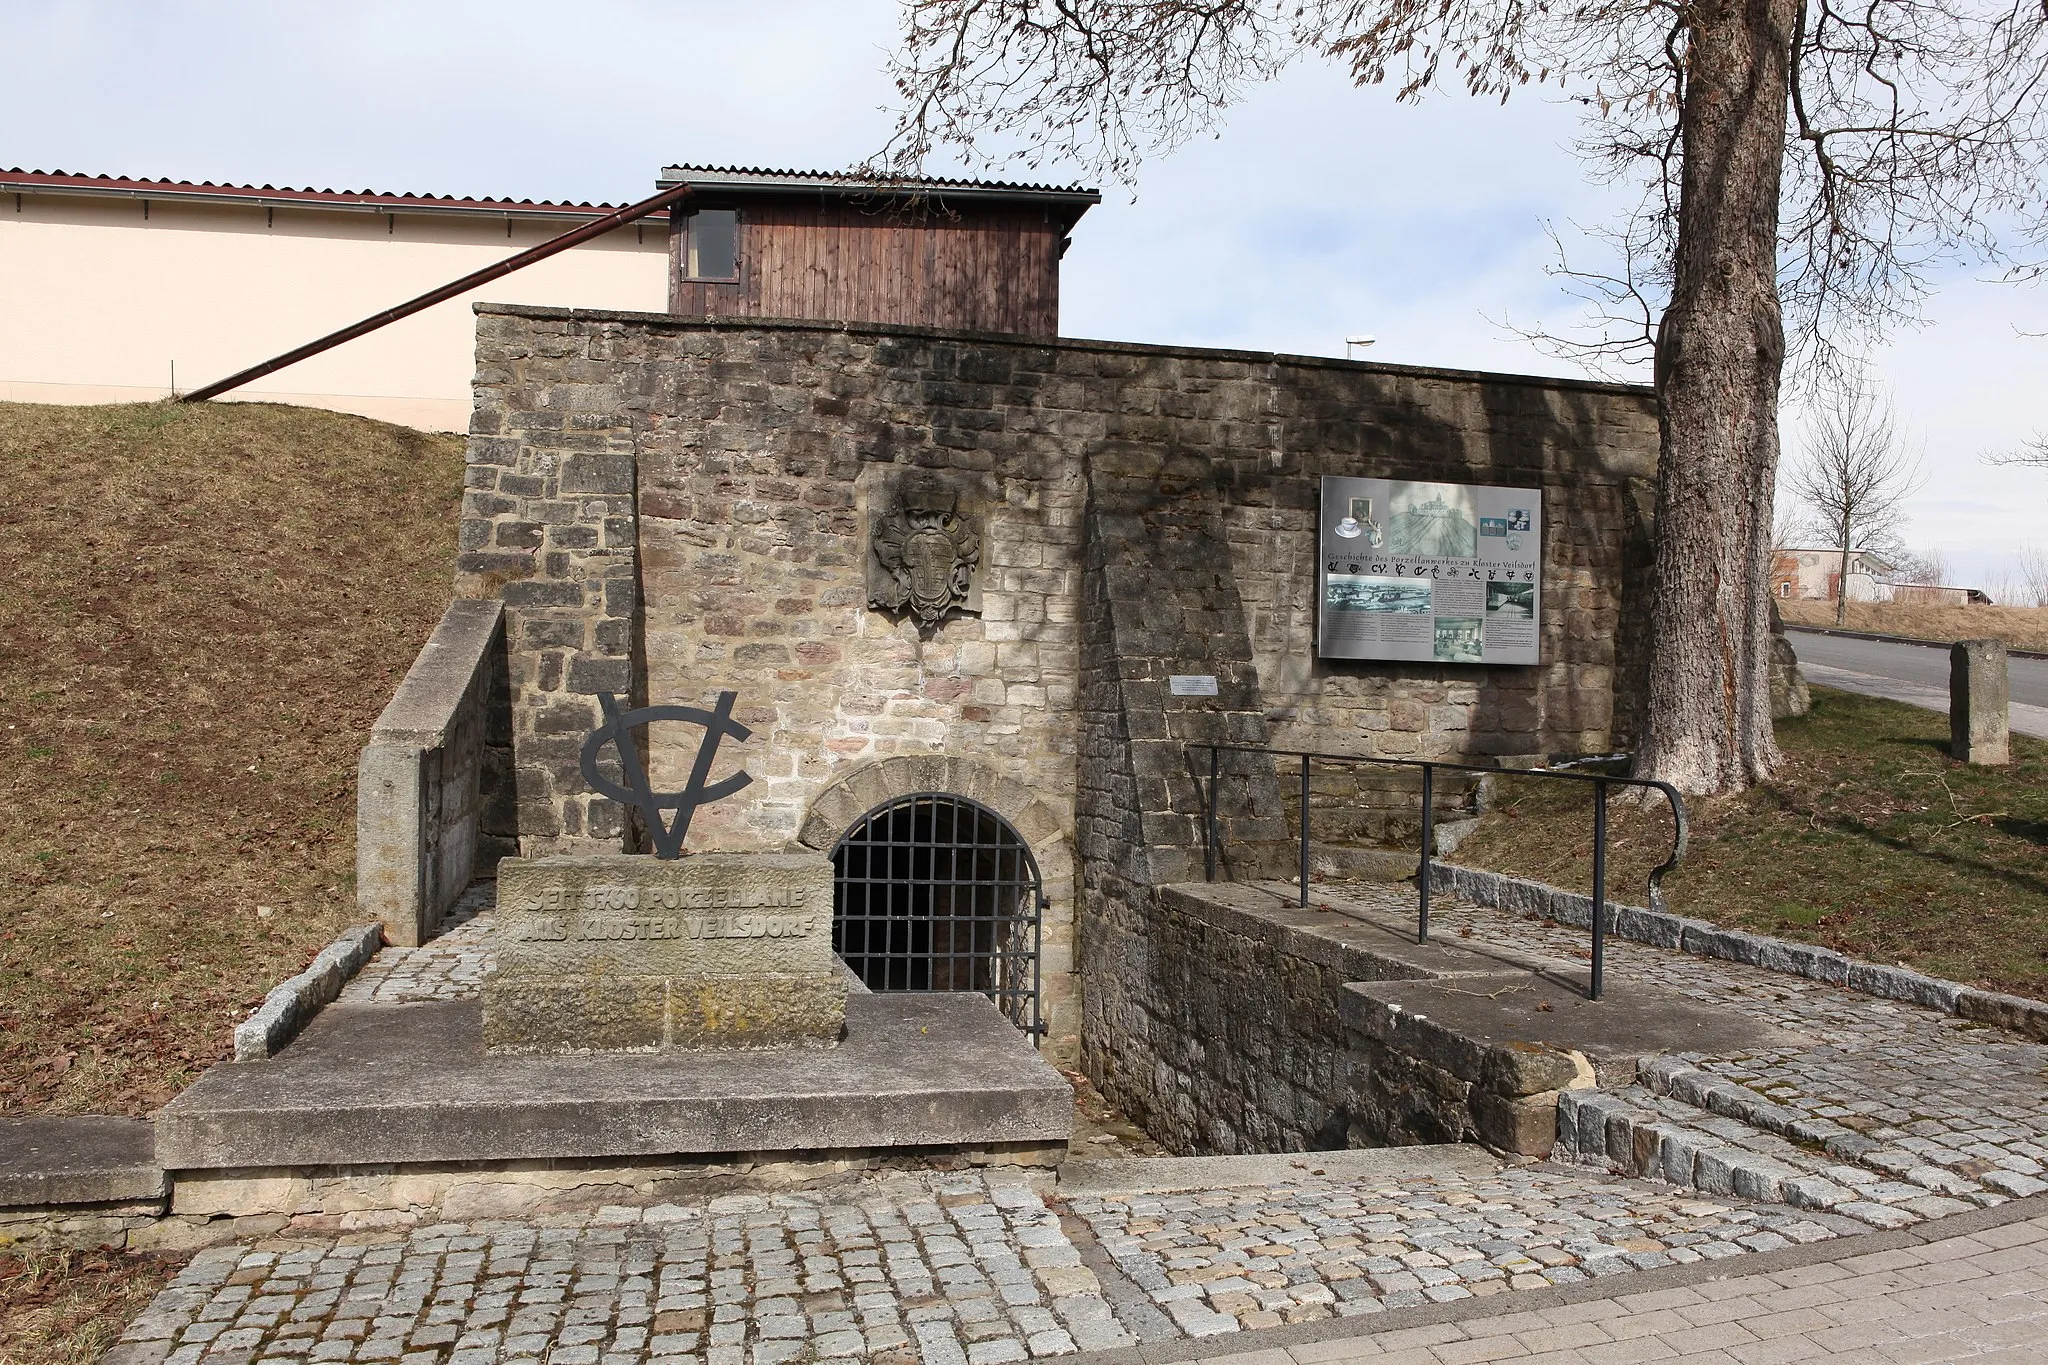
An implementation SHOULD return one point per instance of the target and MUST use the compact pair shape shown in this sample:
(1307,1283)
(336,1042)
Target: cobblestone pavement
(1981,1298)
(1916,1109)
(977,1269)
(950,1270)
(1225,1260)
(449,966)
(968,1269)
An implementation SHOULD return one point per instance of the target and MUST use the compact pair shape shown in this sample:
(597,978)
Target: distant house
(1815,575)
(117,289)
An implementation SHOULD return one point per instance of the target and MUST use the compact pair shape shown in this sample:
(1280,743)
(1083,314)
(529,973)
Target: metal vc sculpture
(617,730)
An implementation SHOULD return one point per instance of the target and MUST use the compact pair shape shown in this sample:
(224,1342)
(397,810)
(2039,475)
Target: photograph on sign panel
(1458,639)
(1358,523)
(1516,600)
(1364,592)
(1433,521)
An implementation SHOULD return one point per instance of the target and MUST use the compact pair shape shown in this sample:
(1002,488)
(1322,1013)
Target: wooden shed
(971,255)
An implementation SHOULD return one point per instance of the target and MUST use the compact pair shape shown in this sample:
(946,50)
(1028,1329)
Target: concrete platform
(64,1160)
(1361,947)
(1635,1019)
(371,1085)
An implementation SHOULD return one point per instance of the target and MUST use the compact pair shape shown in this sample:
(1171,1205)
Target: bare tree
(2032,564)
(1786,527)
(1856,474)
(1921,566)
(2034,452)
(1803,166)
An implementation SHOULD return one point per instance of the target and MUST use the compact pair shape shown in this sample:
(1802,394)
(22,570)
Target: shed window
(713,245)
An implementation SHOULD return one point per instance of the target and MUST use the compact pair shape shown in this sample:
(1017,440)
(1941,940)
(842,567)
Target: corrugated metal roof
(756,177)
(18,180)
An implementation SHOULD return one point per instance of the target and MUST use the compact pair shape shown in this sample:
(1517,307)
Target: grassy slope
(204,610)
(2019,627)
(1871,841)
(68,1307)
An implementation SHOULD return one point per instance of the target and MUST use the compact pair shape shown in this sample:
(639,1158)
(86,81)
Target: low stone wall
(1415,1081)
(127,1226)
(433,803)
(1243,1048)
(1263,1036)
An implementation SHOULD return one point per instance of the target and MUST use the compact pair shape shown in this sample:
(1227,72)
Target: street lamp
(1358,342)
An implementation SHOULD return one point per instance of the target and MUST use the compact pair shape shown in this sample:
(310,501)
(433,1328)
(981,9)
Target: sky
(1317,211)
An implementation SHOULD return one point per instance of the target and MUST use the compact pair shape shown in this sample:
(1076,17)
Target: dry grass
(1871,841)
(67,1307)
(2019,627)
(206,607)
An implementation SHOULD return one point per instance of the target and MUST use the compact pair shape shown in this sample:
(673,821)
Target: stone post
(1978,694)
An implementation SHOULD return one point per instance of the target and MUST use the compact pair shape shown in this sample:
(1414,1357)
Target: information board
(1438,572)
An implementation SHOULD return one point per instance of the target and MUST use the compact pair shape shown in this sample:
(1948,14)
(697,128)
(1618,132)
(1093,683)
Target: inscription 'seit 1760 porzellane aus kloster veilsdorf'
(626,953)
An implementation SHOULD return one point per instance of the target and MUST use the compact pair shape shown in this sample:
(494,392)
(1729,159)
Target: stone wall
(671,507)
(1236,1044)
(432,807)
(1261,1031)
(1590,448)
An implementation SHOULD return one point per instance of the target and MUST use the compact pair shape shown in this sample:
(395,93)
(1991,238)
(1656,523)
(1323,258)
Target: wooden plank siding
(971,268)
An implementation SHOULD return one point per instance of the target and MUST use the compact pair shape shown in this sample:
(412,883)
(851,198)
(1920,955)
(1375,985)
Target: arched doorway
(935,892)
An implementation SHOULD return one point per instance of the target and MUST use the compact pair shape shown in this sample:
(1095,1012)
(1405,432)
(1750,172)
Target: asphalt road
(1914,674)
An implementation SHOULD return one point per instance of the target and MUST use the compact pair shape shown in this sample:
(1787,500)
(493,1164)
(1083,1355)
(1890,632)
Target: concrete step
(78,1159)
(1638,1131)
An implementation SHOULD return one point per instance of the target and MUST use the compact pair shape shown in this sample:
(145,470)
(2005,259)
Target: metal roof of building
(16,181)
(755,179)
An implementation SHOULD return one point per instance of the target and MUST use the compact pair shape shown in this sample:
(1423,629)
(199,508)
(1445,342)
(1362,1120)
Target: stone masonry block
(1979,697)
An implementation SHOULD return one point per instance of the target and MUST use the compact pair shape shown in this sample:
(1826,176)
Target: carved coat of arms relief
(923,553)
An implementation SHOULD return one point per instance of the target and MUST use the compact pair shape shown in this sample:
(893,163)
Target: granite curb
(292,1003)
(1661,929)
(1231,1344)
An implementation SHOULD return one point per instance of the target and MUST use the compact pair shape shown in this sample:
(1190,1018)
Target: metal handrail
(1601,782)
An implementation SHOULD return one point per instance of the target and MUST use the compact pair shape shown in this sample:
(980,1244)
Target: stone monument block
(1979,698)
(629,953)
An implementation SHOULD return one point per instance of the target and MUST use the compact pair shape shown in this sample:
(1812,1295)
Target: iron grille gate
(935,892)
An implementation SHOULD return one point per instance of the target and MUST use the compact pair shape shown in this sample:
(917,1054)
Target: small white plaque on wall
(1192,685)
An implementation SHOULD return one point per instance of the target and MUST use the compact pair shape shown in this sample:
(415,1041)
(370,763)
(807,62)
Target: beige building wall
(101,297)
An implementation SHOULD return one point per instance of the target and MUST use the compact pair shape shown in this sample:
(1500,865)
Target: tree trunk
(1842,580)
(1721,348)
